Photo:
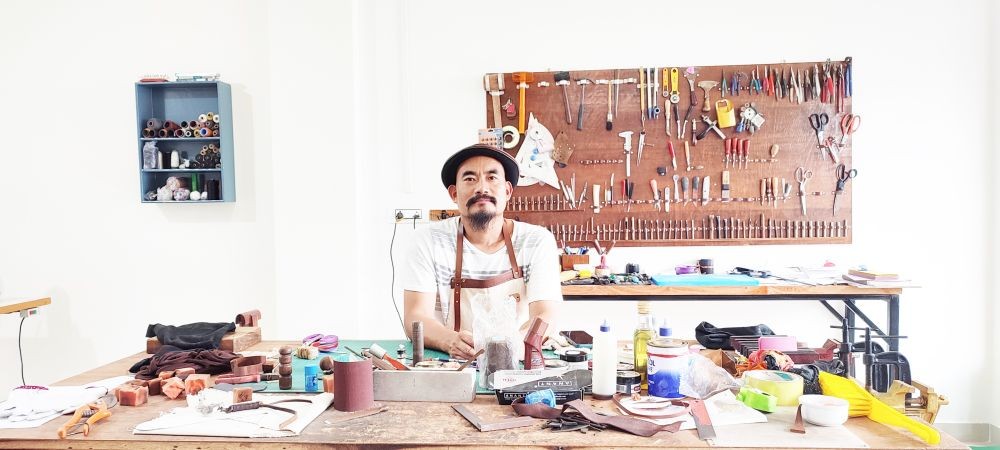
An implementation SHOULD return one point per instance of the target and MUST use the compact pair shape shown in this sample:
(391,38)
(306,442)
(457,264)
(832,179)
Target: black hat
(449,172)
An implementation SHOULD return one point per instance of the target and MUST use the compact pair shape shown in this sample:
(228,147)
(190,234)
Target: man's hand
(459,345)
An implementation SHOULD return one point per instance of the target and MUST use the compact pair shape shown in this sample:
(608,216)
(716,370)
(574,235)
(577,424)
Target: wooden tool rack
(748,217)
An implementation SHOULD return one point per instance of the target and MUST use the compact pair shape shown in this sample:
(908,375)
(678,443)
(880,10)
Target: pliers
(93,412)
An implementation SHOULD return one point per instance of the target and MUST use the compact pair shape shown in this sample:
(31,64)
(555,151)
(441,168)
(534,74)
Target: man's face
(481,189)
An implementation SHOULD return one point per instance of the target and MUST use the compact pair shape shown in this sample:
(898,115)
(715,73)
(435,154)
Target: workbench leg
(849,315)
(893,322)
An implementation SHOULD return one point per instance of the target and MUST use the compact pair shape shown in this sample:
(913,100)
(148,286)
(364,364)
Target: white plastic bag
(702,377)
(494,328)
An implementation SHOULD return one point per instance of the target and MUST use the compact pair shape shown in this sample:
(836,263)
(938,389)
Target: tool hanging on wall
(493,83)
(583,82)
(609,120)
(522,79)
(562,80)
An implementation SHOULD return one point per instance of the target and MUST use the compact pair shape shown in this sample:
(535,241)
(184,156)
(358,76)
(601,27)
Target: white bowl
(824,410)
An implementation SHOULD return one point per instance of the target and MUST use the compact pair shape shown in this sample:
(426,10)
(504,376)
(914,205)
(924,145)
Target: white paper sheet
(30,408)
(255,423)
(775,434)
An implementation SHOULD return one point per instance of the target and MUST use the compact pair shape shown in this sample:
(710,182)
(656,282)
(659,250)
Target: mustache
(477,198)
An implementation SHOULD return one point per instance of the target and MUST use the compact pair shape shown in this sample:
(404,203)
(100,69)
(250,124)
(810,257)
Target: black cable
(20,353)
(392,284)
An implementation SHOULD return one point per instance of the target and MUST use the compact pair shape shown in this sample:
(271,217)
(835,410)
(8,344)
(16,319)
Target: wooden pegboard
(743,220)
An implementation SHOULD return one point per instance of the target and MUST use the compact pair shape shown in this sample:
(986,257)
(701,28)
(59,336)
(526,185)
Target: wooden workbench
(414,425)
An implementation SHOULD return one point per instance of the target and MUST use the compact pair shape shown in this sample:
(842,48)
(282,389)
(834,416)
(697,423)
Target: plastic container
(311,381)
(605,362)
(824,410)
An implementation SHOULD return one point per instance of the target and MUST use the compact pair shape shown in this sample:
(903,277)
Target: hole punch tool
(92,412)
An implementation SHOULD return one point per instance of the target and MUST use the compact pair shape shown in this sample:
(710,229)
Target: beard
(479,220)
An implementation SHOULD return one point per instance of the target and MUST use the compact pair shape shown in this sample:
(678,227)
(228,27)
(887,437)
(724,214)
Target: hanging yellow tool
(522,79)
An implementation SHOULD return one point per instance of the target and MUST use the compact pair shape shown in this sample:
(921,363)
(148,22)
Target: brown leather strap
(457,283)
(627,424)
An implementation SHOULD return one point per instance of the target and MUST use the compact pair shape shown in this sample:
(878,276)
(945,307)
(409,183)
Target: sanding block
(425,385)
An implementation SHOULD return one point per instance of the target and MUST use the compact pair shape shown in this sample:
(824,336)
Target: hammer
(583,82)
(522,79)
(562,79)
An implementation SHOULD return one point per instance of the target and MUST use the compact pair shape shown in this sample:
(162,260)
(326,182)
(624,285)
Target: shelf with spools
(185,142)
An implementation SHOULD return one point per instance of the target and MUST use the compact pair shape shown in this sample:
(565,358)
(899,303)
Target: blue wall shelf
(183,102)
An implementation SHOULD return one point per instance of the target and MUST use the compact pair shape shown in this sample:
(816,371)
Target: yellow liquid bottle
(643,333)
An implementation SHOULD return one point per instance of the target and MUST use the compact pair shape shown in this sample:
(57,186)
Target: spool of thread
(178,133)
(706,266)
(215,118)
(163,133)
(417,334)
(188,133)
(204,132)
(184,124)
(215,133)
(787,387)
(202,118)
(353,382)
(311,373)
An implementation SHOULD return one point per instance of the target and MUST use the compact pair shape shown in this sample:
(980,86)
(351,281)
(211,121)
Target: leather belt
(457,283)
(628,424)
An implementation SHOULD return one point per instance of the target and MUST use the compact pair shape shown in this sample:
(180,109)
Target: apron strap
(458,283)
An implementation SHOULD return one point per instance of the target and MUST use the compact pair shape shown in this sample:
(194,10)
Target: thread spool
(205,132)
(417,333)
(178,133)
(202,118)
(163,133)
(353,382)
(215,133)
(184,124)
(706,266)
(215,118)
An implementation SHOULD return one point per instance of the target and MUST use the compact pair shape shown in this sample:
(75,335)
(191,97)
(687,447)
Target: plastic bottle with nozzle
(605,363)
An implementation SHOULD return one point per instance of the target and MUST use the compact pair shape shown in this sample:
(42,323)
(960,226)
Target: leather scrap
(570,410)
(248,319)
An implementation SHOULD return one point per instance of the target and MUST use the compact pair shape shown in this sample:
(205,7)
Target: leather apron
(497,288)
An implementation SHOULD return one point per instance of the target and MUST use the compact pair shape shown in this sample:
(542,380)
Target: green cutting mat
(343,354)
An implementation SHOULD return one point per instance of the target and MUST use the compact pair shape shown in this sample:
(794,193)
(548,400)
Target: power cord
(392,284)
(20,353)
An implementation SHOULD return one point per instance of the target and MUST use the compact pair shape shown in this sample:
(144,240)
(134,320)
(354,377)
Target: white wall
(345,110)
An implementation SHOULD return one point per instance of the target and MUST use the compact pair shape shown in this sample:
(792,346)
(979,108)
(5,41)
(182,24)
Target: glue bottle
(643,333)
(605,360)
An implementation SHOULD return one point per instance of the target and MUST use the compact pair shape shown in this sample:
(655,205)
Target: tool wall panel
(757,211)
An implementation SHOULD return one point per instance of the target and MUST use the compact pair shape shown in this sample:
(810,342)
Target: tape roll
(354,384)
(787,387)
(515,137)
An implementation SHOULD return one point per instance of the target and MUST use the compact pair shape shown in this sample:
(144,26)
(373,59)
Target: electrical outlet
(400,215)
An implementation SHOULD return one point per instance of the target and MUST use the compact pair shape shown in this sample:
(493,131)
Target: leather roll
(250,318)
(171,125)
(149,133)
(354,384)
(163,133)
(178,133)
(184,124)
(248,365)
(154,123)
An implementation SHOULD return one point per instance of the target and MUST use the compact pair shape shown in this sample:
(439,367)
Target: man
(494,259)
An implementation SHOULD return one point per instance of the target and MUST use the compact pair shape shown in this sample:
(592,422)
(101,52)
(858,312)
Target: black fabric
(810,375)
(718,338)
(834,366)
(193,336)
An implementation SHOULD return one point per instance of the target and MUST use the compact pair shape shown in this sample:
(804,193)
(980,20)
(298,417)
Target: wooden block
(184,372)
(242,394)
(328,384)
(155,386)
(166,374)
(236,341)
(129,395)
(195,382)
(173,388)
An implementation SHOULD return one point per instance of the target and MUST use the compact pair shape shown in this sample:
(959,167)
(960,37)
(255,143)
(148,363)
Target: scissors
(842,176)
(848,125)
(818,123)
(802,176)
